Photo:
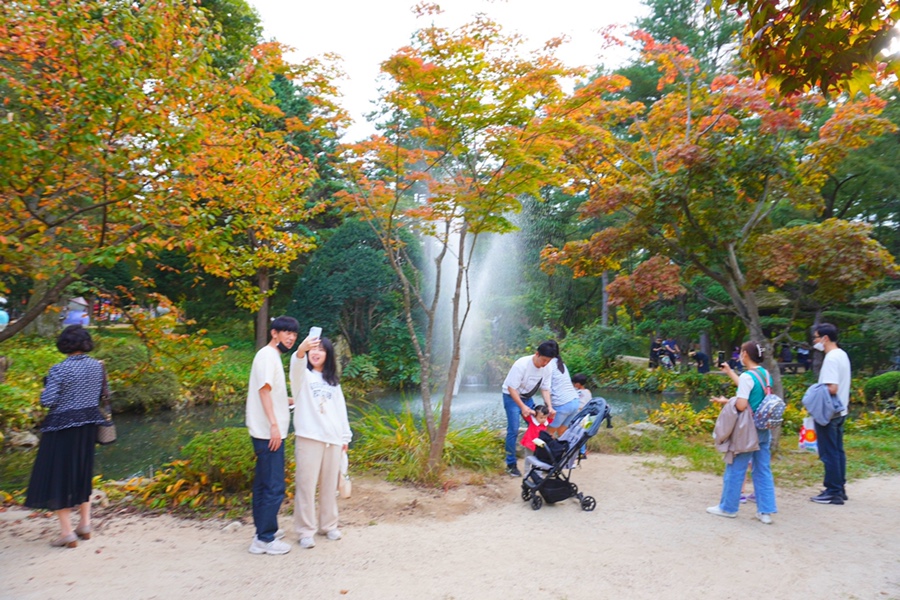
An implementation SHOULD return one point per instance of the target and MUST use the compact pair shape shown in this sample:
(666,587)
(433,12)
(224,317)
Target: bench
(790,367)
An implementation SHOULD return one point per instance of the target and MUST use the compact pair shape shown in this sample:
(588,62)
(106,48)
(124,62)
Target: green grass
(869,453)
(872,453)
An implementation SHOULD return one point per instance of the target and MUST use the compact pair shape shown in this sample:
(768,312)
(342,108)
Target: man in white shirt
(835,374)
(268,417)
(527,375)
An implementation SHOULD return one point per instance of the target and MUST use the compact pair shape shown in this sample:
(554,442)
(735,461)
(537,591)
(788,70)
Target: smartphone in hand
(315,332)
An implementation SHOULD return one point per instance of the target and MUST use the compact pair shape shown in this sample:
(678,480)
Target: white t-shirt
(584,396)
(561,389)
(267,369)
(836,369)
(320,412)
(746,384)
(524,376)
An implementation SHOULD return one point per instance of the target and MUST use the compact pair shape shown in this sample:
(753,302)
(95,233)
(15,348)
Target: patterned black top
(72,393)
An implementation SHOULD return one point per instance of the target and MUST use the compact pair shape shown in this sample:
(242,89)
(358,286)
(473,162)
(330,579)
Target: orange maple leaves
(125,141)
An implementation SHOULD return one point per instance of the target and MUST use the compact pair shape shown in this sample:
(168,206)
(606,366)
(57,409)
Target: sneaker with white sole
(334,535)
(715,510)
(307,542)
(274,547)
(764,517)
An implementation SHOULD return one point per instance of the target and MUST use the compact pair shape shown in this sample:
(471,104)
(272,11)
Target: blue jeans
(268,488)
(763,483)
(830,440)
(513,420)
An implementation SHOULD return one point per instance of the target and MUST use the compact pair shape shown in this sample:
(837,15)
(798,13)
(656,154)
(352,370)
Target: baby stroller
(549,470)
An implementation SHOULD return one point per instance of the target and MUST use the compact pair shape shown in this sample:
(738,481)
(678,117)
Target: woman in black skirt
(64,467)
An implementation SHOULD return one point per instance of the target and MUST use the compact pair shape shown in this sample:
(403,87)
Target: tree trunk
(46,324)
(262,315)
(705,347)
(39,301)
(604,315)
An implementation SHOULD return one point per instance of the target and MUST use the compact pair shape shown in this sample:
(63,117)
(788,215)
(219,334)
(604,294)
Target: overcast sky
(365,33)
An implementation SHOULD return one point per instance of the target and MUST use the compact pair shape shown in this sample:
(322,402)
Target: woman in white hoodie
(323,433)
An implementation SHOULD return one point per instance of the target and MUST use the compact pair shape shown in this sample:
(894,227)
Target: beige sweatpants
(317,463)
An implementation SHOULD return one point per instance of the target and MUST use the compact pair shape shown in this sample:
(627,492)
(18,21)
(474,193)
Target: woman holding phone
(322,434)
(749,395)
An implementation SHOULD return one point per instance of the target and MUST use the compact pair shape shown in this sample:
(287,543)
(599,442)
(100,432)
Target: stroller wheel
(574,489)
(536,502)
(588,503)
(526,493)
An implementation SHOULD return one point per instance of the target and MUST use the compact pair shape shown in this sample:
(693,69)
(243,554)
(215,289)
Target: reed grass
(396,445)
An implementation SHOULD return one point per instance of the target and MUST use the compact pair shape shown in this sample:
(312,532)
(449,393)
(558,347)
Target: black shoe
(513,471)
(826,498)
(844,496)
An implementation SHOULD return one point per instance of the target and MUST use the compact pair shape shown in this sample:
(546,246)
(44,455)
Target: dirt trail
(649,537)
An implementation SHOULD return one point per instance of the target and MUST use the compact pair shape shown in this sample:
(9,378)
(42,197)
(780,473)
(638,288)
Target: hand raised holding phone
(311,341)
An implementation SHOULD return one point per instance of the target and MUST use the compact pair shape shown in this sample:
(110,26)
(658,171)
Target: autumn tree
(121,140)
(699,174)
(712,40)
(833,45)
(464,137)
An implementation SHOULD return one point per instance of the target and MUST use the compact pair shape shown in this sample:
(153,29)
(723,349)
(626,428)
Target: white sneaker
(274,547)
(764,517)
(307,542)
(334,535)
(715,510)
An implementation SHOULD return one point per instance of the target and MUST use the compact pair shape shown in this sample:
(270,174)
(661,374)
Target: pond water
(146,442)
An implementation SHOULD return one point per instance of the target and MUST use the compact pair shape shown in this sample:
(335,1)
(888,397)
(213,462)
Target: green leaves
(835,46)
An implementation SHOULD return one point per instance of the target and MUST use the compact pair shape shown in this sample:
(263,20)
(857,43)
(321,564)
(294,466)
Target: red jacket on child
(534,429)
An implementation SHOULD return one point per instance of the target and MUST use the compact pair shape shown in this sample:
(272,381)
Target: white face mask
(819,346)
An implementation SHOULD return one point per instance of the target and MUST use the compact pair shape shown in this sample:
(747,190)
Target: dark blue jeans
(830,439)
(513,420)
(268,488)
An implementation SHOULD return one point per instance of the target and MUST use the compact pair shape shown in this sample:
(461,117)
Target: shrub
(21,407)
(705,385)
(631,378)
(594,347)
(20,394)
(795,386)
(793,417)
(879,420)
(226,380)
(216,475)
(882,387)
(225,456)
(137,385)
(682,418)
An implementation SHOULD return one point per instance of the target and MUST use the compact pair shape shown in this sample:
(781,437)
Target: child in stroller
(536,424)
(549,470)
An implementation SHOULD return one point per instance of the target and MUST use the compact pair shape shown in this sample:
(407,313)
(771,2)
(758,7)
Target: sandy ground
(649,537)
